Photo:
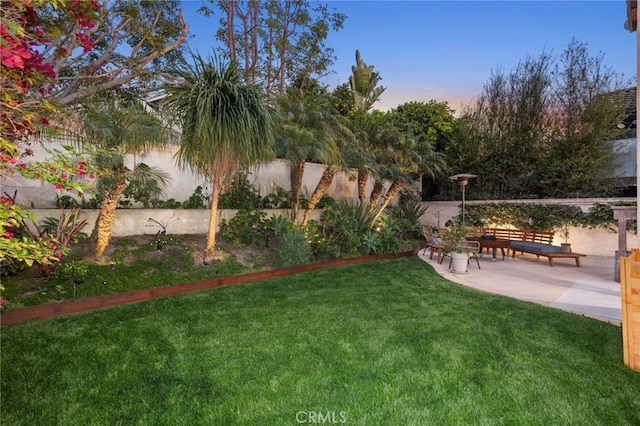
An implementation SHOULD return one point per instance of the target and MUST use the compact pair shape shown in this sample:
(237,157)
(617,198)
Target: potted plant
(566,246)
(455,238)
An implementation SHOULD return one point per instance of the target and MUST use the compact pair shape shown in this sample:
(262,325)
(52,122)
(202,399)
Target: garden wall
(595,242)
(183,183)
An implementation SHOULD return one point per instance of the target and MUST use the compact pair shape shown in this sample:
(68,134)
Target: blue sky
(446,50)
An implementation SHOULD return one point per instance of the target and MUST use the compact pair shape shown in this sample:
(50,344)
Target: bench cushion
(535,247)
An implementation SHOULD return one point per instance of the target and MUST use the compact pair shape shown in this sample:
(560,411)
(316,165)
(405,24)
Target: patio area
(588,290)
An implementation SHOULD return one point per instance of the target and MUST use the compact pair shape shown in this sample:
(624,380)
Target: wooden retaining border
(74,306)
(630,295)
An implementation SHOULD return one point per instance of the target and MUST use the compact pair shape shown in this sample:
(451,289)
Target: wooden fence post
(630,295)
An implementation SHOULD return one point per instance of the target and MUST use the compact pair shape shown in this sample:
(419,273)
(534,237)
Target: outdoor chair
(432,242)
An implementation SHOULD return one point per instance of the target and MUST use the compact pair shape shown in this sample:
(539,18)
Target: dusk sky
(446,50)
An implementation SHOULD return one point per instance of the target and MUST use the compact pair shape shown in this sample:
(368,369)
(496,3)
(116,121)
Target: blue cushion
(536,247)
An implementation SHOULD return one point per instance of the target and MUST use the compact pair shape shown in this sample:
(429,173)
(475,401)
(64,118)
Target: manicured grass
(388,343)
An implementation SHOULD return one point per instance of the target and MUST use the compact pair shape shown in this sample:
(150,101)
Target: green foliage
(543,217)
(454,236)
(73,272)
(143,187)
(321,245)
(197,200)
(540,130)
(381,241)
(345,223)
(407,214)
(278,198)
(274,228)
(171,203)
(364,84)
(432,121)
(18,248)
(217,145)
(241,195)
(66,201)
(293,249)
(245,227)
(58,233)
(277,33)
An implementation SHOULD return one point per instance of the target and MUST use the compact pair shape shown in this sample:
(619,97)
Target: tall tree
(429,122)
(364,84)
(535,133)
(586,117)
(118,127)
(132,43)
(25,107)
(276,41)
(226,126)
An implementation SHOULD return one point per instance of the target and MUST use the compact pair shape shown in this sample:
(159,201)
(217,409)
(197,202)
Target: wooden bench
(532,242)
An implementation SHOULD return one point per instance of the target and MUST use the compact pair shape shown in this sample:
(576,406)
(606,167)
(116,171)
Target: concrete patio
(588,290)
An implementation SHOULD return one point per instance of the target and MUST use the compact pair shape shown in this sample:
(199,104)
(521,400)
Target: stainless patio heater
(463,181)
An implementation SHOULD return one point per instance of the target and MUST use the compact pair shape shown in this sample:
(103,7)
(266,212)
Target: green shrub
(245,227)
(279,198)
(66,201)
(171,203)
(274,227)
(241,195)
(407,214)
(197,200)
(344,225)
(326,201)
(293,249)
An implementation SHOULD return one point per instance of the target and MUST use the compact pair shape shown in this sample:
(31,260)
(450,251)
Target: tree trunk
(297,170)
(362,186)
(216,185)
(229,8)
(106,218)
(394,189)
(321,189)
(376,192)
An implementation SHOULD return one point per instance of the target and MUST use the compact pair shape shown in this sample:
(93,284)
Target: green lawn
(388,343)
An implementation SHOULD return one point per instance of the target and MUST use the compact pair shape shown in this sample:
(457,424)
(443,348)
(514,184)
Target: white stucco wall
(183,183)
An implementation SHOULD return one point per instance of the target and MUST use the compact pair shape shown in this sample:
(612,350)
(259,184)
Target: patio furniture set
(516,240)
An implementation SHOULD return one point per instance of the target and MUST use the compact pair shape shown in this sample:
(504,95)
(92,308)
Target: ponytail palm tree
(226,126)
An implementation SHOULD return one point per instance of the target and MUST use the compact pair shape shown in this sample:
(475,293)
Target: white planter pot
(459,262)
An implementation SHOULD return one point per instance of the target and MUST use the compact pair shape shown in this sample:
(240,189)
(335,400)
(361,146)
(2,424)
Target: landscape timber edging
(75,306)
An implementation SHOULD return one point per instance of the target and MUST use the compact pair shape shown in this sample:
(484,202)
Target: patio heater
(463,181)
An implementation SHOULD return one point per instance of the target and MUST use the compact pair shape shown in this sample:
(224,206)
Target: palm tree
(226,126)
(363,83)
(344,148)
(405,158)
(305,131)
(117,127)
